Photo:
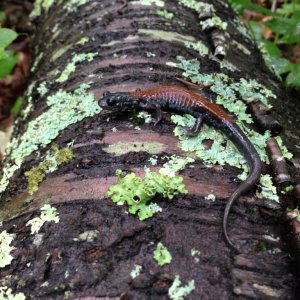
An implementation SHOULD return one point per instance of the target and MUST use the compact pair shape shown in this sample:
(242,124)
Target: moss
(5,248)
(65,108)
(53,160)
(71,67)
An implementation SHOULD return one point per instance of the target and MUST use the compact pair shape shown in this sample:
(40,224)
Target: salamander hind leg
(158,115)
(196,129)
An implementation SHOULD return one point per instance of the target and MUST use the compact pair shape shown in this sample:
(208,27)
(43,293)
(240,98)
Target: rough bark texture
(62,266)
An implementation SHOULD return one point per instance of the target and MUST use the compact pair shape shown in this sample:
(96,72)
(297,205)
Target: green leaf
(256,30)
(293,79)
(7,36)
(272,49)
(281,65)
(17,106)
(2,16)
(162,255)
(8,63)
(288,8)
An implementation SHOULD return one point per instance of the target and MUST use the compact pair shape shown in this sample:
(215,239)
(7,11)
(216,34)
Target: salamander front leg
(195,130)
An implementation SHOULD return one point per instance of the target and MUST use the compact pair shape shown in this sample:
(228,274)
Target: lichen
(48,214)
(197,46)
(42,89)
(168,36)
(73,5)
(175,164)
(213,22)
(88,236)
(136,271)
(54,158)
(137,192)
(267,189)
(162,255)
(165,14)
(39,6)
(58,53)
(71,66)
(159,3)
(83,41)
(36,61)
(7,294)
(5,248)
(178,292)
(65,108)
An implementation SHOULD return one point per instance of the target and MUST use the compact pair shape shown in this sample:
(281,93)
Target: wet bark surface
(55,263)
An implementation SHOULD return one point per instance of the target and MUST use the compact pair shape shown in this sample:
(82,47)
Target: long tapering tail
(243,144)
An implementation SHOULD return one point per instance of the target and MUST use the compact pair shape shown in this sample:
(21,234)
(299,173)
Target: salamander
(181,100)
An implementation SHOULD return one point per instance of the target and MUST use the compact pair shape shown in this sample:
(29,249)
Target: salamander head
(111,101)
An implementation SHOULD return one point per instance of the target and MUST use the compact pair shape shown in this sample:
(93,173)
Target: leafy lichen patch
(5,248)
(175,164)
(71,66)
(268,190)
(7,294)
(68,108)
(73,5)
(121,148)
(54,158)
(40,5)
(88,236)
(162,255)
(178,292)
(137,192)
(197,46)
(48,214)
(83,41)
(136,271)
(165,14)
(159,3)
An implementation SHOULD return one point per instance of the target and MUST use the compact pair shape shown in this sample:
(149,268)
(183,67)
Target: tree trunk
(65,153)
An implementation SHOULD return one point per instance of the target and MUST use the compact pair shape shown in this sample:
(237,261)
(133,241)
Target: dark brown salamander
(178,99)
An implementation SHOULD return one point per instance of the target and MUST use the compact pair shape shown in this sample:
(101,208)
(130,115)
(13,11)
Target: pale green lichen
(159,3)
(165,14)
(214,22)
(121,148)
(42,89)
(210,197)
(36,61)
(88,236)
(178,292)
(73,5)
(39,6)
(83,41)
(197,46)
(162,255)
(175,164)
(200,7)
(195,253)
(48,214)
(137,192)
(67,107)
(268,190)
(146,117)
(71,66)
(5,248)
(54,158)
(7,294)
(136,271)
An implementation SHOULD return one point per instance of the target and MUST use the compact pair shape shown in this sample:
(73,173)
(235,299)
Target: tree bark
(90,252)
